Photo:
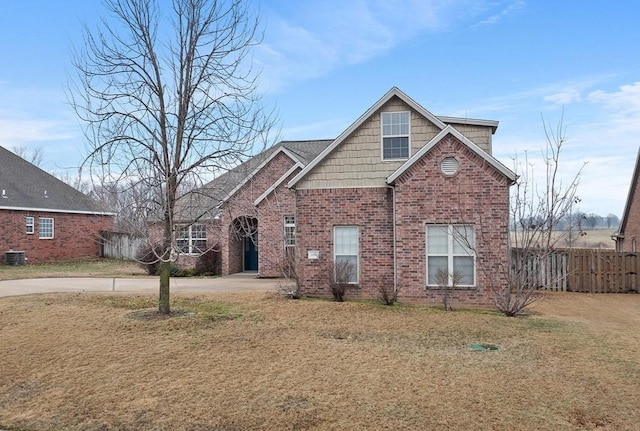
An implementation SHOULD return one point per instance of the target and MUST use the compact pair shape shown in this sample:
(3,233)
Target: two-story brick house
(401,195)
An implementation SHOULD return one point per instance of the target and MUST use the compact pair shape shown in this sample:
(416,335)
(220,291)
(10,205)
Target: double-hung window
(30,225)
(395,135)
(45,227)
(345,252)
(192,239)
(450,254)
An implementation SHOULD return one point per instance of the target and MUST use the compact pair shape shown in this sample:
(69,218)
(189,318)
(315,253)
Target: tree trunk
(163,302)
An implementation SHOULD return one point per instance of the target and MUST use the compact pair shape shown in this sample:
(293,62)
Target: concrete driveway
(233,283)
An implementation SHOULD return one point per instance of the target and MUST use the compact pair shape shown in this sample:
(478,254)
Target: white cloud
(622,107)
(504,12)
(315,38)
(24,131)
(565,97)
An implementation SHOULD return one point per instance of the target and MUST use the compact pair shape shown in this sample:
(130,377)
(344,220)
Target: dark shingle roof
(25,186)
(202,202)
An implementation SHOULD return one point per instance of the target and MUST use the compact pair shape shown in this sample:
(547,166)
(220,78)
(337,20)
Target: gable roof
(440,122)
(632,192)
(450,130)
(204,201)
(26,187)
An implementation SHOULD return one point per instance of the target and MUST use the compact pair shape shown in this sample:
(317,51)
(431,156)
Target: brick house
(627,237)
(43,219)
(400,197)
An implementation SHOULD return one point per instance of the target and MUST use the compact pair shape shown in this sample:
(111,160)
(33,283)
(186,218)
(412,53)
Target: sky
(323,63)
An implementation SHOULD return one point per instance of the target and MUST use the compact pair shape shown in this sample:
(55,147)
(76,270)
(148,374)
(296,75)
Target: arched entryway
(244,249)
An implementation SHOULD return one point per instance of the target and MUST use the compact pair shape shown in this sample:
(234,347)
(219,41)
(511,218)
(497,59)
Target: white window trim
(40,228)
(382,136)
(30,222)
(191,239)
(286,225)
(357,250)
(450,254)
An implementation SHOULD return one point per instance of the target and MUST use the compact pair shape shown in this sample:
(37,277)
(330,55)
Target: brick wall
(318,211)
(271,212)
(476,195)
(631,241)
(75,235)
(241,204)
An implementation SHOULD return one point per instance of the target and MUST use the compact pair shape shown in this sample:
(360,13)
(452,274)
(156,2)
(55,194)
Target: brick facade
(476,195)
(319,211)
(391,202)
(268,215)
(628,237)
(75,235)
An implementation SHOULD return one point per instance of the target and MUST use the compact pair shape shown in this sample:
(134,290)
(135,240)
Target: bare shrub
(341,274)
(447,284)
(289,285)
(209,262)
(387,293)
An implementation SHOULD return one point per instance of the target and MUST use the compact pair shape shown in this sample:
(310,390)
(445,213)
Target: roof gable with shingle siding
(357,161)
(354,159)
(26,187)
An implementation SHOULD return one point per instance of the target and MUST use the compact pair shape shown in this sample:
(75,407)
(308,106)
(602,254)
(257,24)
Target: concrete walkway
(237,282)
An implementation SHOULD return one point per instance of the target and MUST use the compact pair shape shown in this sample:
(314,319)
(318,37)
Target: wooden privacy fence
(579,270)
(120,245)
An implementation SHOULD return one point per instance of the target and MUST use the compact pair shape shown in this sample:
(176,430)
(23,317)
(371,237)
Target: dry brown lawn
(97,267)
(257,362)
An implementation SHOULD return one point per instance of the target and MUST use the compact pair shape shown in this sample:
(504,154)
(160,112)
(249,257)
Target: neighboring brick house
(43,217)
(628,235)
(400,196)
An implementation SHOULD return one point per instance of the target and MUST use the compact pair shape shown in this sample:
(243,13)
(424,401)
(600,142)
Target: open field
(596,238)
(258,362)
(98,267)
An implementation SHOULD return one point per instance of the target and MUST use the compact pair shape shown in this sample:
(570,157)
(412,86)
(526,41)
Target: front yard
(254,361)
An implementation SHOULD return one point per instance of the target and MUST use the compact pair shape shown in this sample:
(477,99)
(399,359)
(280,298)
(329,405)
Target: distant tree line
(575,221)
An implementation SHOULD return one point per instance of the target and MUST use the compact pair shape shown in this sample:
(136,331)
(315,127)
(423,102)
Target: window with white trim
(395,135)
(289,231)
(450,248)
(345,252)
(30,224)
(191,239)
(45,227)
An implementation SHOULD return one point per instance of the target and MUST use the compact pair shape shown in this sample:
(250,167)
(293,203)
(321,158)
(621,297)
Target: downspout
(395,251)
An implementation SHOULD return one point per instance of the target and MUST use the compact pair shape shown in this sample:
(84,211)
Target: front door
(250,254)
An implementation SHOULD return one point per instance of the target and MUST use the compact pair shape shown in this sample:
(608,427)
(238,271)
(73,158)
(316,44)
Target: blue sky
(325,62)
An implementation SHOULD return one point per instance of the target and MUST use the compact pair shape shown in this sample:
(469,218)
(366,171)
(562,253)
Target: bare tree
(34,157)
(536,210)
(168,98)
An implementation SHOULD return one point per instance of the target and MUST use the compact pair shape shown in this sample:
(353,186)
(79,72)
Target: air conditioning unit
(14,258)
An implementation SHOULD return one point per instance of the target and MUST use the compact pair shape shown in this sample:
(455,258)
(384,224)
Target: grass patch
(238,361)
(94,267)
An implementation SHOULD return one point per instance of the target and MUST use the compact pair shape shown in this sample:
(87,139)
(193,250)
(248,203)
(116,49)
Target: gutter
(52,210)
